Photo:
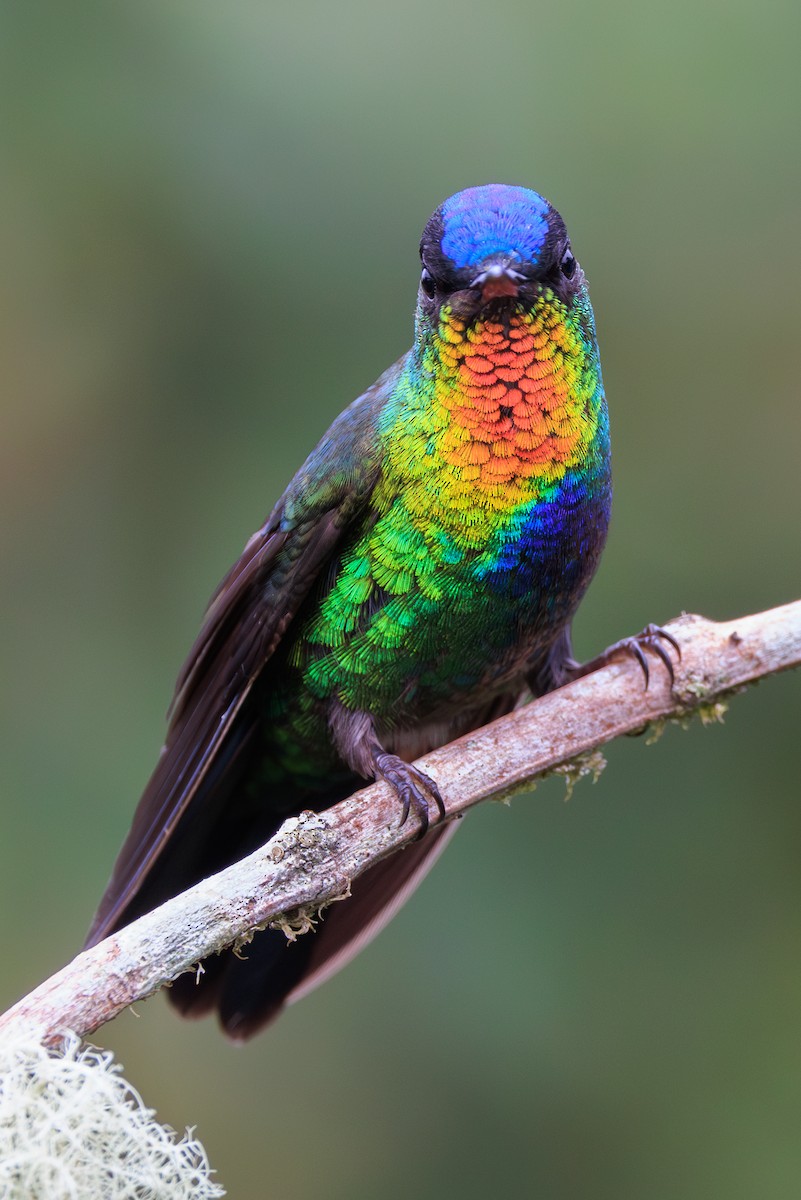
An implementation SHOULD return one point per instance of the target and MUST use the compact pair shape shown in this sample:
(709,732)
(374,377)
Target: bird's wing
(246,620)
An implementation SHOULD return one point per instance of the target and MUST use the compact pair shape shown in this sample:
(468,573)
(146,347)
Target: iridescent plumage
(419,573)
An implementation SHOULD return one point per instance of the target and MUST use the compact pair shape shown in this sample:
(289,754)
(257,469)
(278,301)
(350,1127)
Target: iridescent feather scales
(493,436)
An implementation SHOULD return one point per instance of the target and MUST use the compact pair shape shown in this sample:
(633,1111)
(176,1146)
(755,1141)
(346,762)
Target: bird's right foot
(411,786)
(355,738)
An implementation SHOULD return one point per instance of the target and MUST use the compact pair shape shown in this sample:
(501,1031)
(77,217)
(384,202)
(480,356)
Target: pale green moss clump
(71,1127)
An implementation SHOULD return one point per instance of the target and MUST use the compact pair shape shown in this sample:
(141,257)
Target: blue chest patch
(551,547)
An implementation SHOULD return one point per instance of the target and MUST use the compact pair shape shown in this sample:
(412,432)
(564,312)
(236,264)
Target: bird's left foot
(411,787)
(652,638)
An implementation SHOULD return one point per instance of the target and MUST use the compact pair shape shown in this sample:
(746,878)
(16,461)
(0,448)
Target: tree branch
(313,858)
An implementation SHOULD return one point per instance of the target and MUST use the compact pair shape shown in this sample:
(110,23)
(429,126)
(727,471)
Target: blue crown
(494,219)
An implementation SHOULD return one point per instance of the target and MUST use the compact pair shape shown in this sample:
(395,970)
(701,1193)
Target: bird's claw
(410,786)
(651,638)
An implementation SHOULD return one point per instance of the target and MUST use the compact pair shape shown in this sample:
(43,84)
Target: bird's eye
(427,283)
(568,264)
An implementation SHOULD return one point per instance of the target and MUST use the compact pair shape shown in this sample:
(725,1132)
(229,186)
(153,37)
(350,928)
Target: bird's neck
(501,409)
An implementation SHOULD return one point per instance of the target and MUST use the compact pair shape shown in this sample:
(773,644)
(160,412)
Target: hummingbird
(418,576)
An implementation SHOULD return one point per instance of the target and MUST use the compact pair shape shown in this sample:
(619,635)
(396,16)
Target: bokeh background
(209,216)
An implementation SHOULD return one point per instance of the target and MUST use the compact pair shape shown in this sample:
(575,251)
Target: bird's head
(493,249)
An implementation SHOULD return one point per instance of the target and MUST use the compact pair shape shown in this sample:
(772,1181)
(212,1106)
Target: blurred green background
(209,216)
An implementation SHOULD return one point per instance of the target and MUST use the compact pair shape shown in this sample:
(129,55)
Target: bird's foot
(651,638)
(411,787)
(356,740)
